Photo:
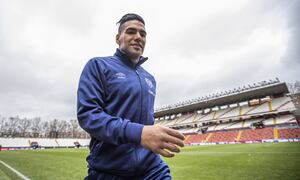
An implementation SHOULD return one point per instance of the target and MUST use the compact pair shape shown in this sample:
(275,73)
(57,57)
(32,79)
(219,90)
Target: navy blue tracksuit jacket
(115,99)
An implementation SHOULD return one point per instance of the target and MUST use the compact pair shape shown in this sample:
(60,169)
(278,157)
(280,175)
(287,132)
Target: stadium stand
(260,113)
(288,133)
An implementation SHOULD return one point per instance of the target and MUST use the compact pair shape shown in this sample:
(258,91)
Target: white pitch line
(15,171)
(237,152)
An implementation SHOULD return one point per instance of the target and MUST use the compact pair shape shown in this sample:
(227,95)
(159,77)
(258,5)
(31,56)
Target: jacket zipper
(136,154)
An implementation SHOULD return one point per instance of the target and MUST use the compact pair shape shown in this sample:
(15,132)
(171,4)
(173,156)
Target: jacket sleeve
(91,110)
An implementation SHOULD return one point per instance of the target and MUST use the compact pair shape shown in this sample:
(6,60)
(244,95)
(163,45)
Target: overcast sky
(194,48)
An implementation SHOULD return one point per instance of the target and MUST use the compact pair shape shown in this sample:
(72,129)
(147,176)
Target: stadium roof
(235,97)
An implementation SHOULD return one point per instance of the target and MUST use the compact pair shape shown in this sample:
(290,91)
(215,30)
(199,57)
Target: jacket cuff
(133,132)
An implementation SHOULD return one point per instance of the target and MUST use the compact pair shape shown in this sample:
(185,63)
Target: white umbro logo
(120,75)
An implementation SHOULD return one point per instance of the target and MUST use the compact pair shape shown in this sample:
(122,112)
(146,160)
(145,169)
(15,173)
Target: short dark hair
(129,17)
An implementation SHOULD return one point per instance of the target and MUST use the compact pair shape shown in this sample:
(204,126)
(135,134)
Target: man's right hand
(162,140)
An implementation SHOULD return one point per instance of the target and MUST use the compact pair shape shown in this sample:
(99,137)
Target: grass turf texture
(244,161)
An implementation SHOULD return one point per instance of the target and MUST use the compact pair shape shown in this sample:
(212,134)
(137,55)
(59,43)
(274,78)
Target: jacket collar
(127,60)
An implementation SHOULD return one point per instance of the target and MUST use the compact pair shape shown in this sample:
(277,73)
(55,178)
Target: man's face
(132,38)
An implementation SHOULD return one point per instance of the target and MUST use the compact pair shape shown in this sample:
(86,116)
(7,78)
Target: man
(115,106)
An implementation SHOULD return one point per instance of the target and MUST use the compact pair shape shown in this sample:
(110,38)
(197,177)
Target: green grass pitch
(243,161)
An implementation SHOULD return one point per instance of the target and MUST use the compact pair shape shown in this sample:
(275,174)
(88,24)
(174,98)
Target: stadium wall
(34,143)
